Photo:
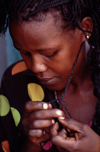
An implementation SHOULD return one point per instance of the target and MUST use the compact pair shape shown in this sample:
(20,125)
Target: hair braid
(95,62)
(73,11)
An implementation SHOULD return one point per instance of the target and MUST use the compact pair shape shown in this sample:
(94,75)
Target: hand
(37,119)
(82,137)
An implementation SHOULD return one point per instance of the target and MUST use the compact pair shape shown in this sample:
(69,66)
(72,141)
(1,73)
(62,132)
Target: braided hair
(73,11)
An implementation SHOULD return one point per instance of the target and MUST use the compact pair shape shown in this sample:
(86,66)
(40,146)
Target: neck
(82,72)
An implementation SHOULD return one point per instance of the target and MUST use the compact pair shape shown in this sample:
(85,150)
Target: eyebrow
(45,49)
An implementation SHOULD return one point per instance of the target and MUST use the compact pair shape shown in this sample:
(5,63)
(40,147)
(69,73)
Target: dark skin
(44,47)
(81,111)
(79,141)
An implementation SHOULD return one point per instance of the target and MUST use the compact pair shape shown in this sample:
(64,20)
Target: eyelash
(28,54)
(48,56)
(52,55)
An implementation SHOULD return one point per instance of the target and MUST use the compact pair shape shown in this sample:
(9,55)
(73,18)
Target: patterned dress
(18,86)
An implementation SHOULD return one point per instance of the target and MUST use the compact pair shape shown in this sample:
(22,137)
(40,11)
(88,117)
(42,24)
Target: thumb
(71,124)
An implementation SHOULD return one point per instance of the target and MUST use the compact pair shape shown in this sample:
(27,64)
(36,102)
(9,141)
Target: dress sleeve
(3,111)
(3,136)
(11,95)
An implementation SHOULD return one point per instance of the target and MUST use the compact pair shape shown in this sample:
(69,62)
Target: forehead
(42,17)
(43,31)
(48,23)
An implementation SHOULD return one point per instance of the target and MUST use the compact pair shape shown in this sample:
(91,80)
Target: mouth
(47,81)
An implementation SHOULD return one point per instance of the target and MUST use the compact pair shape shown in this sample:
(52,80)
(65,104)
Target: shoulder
(14,69)
(18,67)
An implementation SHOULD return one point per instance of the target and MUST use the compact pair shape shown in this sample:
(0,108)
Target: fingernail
(33,131)
(53,121)
(62,118)
(43,132)
(45,106)
(59,113)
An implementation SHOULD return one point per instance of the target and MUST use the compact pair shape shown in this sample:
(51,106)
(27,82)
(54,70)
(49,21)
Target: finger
(50,106)
(36,105)
(46,114)
(67,144)
(36,141)
(40,124)
(76,136)
(36,133)
(47,130)
(63,133)
(73,125)
(46,105)
(30,107)
(54,129)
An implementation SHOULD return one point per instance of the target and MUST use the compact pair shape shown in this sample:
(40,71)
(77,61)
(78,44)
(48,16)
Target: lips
(47,81)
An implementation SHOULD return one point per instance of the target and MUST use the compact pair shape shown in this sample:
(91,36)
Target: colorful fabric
(18,86)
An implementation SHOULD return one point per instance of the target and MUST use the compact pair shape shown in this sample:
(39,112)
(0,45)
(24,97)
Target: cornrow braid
(73,12)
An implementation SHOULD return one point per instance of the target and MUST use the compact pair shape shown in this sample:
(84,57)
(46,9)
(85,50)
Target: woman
(59,43)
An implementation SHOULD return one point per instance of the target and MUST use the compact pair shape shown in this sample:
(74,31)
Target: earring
(87,37)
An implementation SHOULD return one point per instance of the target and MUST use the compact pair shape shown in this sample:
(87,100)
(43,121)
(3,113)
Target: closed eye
(51,55)
(25,53)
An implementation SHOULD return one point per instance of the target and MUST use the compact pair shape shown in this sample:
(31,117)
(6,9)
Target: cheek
(62,66)
(62,70)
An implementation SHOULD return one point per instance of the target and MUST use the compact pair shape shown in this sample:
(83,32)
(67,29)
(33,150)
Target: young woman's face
(47,49)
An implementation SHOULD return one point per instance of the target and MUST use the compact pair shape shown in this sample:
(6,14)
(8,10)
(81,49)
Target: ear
(87,24)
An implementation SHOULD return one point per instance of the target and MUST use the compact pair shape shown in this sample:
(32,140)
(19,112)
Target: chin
(55,87)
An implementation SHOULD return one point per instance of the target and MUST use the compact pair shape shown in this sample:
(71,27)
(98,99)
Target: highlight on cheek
(35,92)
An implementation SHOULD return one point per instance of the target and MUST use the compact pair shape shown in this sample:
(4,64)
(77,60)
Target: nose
(38,65)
